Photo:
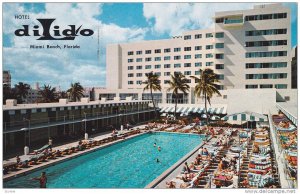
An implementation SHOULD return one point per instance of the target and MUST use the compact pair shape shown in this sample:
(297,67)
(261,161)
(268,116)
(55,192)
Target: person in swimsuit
(158,148)
(154,145)
(42,179)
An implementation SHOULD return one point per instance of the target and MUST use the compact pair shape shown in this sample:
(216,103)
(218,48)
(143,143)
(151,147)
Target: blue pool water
(128,164)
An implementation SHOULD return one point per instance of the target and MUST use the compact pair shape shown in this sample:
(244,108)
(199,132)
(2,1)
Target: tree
(48,94)
(75,92)
(178,84)
(206,86)
(62,94)
(8,93)
(21,90)
(152,84)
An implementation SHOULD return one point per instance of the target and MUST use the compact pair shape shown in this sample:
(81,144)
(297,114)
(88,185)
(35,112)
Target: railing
(236,21)
(67,119)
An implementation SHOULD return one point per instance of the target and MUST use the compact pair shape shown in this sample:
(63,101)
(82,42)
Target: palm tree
(48,94)
(178,84)
(76,91)
(152,84)
(8,93)
(206,86)
(21,90)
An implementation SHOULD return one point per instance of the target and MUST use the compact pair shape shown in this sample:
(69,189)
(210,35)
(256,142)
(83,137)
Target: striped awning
(246,116)
(163,109)
(179,109)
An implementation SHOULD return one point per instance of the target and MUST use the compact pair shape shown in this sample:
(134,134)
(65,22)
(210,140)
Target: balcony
(234,21)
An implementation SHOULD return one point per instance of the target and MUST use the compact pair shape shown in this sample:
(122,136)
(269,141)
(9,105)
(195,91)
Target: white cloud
(174,18)
(61,67)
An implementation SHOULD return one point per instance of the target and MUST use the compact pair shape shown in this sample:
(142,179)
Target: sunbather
(171,184)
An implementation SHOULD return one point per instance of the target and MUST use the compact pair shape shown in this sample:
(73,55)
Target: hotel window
(157,73)
(130,82)
(266,32)
(157,66)
(139,59)
(266,43)
(130,74)
(219,20)
(199,64)
(187,56)
(167,58)
(167,65)
(177,65)
(220,76)
(187,72)
(187,48)
(198,56)
(266,54)
(166,81)
(197,72)
(208,47)
(130,53)
(209,35)
(265,16)
(167,50)
(187,65)
(149,58)
(139,75)
(157,51)
(198,36)
(198,48)
(167,73)
(157,59)
(177,57)
(219,45)
(148,51)
(281,86)
(148,66)
(266,86)
(219,56)
(266,65)
(220,87)
(209,64)
(219,66)
(251,86)
(177,49)
(267,76)
(139,52)
(139,67)
(209,55)
(130,67)
(220,35)
(130,60)
(187,37)
(139,82)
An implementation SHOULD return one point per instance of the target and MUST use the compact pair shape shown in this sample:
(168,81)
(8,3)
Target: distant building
(33,96)
(7,78)
(294,67)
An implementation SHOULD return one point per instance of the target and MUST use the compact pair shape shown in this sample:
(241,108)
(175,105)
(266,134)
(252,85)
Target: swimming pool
(128,164)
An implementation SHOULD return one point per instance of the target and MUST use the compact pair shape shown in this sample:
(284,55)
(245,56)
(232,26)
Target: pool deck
(52,162)
(174,170)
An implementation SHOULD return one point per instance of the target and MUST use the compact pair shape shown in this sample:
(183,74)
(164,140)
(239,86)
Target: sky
(114,22)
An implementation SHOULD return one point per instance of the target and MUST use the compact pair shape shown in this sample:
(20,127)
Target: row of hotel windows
(267,76)
(178,57)
(178,49)
(277,86)
(266,32)
(256,17)
(178,65)
(266,43)
(266,65)
(220,77)
(266,54)
(207,35)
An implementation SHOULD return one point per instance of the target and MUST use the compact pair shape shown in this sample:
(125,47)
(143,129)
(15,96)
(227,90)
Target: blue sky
(118,22)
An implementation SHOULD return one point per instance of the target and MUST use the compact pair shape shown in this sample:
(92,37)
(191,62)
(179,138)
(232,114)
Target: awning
(196,110)
(179,109)
(185,109)
(246,116)
(172,109)
(163,109)
(291,116)
(202,110)
(167,109)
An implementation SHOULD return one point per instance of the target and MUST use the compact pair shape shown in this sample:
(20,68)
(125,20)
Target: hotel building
(247,49)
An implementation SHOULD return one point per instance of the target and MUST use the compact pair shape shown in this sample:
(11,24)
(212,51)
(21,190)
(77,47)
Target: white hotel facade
(250,50)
